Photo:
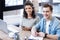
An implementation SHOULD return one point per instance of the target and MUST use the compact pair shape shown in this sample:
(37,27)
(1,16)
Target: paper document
(36,38)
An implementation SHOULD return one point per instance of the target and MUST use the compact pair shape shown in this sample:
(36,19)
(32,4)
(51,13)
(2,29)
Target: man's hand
(41,34)
(35,34)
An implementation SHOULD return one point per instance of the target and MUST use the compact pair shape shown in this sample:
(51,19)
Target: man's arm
(57,35)
(33,31)
(35,28)
(54,37)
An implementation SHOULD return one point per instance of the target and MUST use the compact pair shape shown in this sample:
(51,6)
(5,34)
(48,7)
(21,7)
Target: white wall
(13,12)
(12,17)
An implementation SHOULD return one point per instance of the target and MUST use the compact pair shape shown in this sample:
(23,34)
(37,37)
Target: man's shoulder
(56,20)
(42,19)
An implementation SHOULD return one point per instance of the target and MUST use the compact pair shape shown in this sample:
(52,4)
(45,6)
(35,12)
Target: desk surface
(4,36)
(22,34)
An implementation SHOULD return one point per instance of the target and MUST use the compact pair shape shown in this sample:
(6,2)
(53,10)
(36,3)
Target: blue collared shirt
(54,26)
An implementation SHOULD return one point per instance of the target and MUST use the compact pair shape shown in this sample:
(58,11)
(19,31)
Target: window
(56,1)
(13,2)
(56,7)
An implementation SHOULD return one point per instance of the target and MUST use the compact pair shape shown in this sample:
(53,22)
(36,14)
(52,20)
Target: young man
(48,26)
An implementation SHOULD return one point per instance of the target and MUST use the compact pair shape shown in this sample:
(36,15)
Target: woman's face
(28,9)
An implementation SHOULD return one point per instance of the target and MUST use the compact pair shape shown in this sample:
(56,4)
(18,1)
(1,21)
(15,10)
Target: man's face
(47,12)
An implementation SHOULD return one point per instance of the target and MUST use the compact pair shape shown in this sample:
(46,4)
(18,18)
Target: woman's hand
(26,28)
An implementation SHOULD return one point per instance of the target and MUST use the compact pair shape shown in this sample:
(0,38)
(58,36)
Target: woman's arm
(26,28)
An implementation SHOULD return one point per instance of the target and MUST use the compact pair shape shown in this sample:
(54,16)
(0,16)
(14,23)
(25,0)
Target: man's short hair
(47,5)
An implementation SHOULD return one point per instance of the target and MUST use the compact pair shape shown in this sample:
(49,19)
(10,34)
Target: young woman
(29,16)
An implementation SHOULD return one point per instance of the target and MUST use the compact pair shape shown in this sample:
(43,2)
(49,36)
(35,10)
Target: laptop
(3,26)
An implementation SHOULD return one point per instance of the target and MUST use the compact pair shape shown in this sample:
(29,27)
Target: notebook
(35,38)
